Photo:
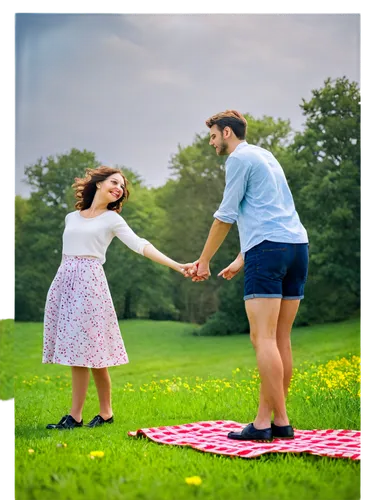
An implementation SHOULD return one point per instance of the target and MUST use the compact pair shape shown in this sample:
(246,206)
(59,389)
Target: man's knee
(253,338)
(284,344)
(266,338)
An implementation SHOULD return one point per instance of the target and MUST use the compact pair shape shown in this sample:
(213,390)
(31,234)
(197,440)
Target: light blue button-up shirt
(258,198)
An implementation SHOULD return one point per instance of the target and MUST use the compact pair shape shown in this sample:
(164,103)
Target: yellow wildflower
(193,480)
(96,454)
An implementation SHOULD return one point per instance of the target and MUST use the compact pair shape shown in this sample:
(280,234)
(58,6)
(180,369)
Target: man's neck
(234,144)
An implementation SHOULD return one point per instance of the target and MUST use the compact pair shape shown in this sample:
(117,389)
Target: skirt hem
(83,366)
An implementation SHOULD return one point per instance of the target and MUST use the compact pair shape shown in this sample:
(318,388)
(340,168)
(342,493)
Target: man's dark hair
(230,118)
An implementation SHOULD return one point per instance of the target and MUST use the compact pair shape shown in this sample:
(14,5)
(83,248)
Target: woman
(80,323)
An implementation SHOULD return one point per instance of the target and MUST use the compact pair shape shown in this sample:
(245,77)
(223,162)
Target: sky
(132,88)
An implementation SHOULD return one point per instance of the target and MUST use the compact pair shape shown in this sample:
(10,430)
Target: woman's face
(112,188)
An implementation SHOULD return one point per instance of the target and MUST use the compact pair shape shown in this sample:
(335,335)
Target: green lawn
(174,377)
(6,358)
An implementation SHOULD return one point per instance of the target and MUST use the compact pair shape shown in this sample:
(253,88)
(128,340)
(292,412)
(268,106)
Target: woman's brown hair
(85,188)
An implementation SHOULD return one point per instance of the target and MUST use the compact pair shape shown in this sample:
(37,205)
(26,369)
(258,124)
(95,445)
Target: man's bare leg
(263,316)
(287,314)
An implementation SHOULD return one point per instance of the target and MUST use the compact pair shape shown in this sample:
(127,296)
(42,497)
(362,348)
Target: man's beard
(222,149)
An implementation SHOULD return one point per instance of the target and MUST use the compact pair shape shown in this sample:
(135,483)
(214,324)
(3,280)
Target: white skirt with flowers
(80,322)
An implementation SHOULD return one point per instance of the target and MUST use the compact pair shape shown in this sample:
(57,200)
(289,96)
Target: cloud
(116,44)
(243,37)
(166,76)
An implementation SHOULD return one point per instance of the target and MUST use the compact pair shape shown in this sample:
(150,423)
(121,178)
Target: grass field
(6,358)
(174,377)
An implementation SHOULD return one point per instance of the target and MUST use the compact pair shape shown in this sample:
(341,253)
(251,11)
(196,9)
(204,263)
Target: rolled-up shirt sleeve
(236,176)
(128,236)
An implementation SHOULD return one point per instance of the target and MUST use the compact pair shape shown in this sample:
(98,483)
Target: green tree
(325,179)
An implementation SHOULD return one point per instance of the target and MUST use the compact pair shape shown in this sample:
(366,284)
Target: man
(274,253)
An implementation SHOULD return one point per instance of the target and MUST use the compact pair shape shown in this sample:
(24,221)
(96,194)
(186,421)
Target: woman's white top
(84,236)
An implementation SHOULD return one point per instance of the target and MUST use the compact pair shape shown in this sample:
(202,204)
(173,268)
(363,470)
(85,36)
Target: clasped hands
(200,269)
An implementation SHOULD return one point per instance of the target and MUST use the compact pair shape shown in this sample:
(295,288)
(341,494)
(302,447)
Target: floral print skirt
(80,322)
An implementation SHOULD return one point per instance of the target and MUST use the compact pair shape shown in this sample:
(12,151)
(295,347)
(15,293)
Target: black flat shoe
(282,432)
(67,422)
(250,433)
(98,420)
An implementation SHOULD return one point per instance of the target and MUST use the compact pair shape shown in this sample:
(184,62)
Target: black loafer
(67,422)
(99,420)
(282,432)
(250,433)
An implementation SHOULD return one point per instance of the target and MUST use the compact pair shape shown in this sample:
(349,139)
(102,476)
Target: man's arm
(225,216)
(218,232)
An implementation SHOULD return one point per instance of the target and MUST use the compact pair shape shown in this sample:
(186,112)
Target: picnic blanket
(211,437)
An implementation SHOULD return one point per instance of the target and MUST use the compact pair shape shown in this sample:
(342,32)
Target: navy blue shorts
(276,270)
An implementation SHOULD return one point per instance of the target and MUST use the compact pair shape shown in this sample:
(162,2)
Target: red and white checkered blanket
(211,437)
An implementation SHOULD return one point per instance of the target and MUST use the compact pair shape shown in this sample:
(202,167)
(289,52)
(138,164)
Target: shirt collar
(240,146)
